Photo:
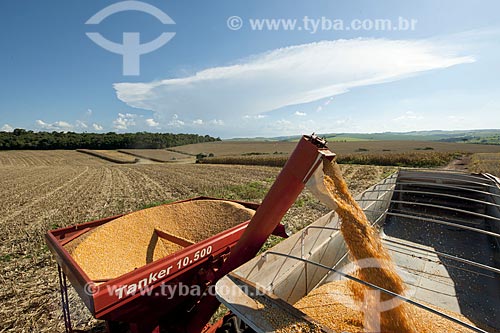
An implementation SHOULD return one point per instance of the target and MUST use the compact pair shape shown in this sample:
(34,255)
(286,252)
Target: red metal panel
(120,299)
(111,298)
(306,157)
(114,300)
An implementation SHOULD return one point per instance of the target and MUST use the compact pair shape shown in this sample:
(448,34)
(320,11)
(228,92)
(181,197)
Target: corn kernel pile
(130,242)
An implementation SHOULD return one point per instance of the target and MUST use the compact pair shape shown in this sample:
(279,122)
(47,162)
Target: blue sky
(210,79)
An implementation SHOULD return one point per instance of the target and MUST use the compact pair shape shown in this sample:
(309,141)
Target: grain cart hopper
(121,282)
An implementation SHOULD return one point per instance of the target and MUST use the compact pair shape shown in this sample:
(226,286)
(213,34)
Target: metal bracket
(317,141)
(63,285)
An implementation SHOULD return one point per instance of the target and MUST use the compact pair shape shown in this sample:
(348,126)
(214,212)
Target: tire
(233,324)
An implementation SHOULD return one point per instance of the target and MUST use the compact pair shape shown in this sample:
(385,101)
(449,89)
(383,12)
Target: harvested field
(221,148)
(224,148)
(110,155)
(38,158)
(44,190)
(394,153)
(408,159)
(158,155)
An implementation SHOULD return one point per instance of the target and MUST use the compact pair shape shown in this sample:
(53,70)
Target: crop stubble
(158,155)
(45,190)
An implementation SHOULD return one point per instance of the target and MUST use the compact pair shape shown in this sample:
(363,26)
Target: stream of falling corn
(364,242)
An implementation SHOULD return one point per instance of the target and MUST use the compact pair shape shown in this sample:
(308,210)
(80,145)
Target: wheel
(233,324)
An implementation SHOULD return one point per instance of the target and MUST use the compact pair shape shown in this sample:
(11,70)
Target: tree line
(26,139)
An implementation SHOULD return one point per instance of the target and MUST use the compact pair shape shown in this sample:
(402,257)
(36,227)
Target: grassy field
(43,190)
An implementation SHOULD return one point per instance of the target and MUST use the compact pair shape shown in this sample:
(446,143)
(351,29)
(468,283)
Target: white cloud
(457,119)
(300,114)
(328,101)
(284,123)
(124,121)
(6,128)
(403,121)
(89,112)
(64,126)
(257,116)
(408,115)
(152,123)
(138,122)
(287,127)
(199,122)
(175,121)
(286,76)
(343,121)
(55,126)
(217,122)
(81,124)
(325,104)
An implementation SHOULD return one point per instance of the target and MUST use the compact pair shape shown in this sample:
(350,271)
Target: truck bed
(441,229)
